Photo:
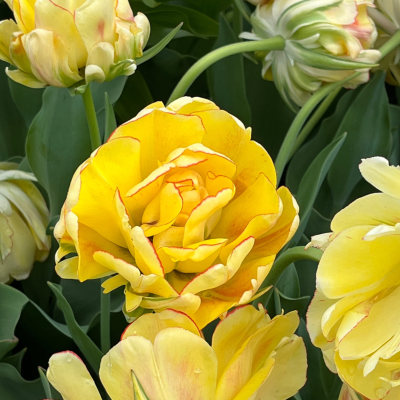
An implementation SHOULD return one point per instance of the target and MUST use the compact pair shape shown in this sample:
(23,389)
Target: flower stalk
(94,130)
(275,43)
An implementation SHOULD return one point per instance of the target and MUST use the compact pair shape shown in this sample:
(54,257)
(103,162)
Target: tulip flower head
(163,357)
(63,42)
(386,16)
(181,208)
(23,221)
(354,315)
(326,41)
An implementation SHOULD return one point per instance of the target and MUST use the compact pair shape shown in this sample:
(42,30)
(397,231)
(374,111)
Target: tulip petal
(348,265)
(24,13)
(150,325)
(188,105)
(377,172)
(159,134)
(48,16)
(69,376)
(180,353)
(7,28)
(290,367)
(188,303)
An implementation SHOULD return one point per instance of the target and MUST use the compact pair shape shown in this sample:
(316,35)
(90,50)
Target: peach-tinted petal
(149,325)
(188,303)
(70,377)
(188,105)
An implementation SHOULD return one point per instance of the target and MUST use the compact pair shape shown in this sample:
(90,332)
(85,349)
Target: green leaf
(367,123)
(226,78)
(15,360)
(12,301)
(153,51)
(85,344)
(111,123)
(45,383)
(312,181)
(299,304)
(395,129)
(29,101)
(14,387)
(288,282)
(12,125)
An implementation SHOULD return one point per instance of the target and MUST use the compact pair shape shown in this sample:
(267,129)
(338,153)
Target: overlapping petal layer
(62,42)
(354,315)
(164,356)
(181,207)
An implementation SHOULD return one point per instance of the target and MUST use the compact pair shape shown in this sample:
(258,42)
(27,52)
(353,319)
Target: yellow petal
(159,134)
(189,105)
(348,265)
(377,172)
(234,330)
(68,268)
(180,353)
(49,59)
(7,28)
(149,325)
(219,274)
(132,300)
(289,372)
(374,209)
(25,79)
(24,13)
(50,15)
(113,283)
(188,303)
(95,22)
(69,376)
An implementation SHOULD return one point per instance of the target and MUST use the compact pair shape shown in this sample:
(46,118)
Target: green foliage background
(46,131)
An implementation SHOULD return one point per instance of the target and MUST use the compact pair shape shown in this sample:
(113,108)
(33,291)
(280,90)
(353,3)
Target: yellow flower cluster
(354,317)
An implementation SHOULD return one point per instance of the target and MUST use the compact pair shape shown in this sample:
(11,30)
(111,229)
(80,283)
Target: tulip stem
(283,261)
(390,45)
(275,43)
(104,320)
(91,117)
(313,121)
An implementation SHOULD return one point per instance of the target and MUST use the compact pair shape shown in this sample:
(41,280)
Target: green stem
(104,320)
(390,45)
(313,121)
(283,261)
(243,10)
(276,43)
(91,118)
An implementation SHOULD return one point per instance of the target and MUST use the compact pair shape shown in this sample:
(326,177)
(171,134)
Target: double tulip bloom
(326,41)
(164,357)
(354,317)
(386,16)
(180,207)
(23,220)
(62,42)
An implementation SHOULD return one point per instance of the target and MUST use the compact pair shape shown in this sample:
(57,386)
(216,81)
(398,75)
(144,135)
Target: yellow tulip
(23,221)
(354,316)
(163,357)
(62,42)
(386,16)
(181,207)
(326,41)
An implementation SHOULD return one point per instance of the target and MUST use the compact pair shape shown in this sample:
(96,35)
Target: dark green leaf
(153,51)
(12,301)
(312,181)
(15,360)
(13,128)
(14,387)
(292,304)
(85,344)
(226,78)
(288,283)
(367,124)
(45,383)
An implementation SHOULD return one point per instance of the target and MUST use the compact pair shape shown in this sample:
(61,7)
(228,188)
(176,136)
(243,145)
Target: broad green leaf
(45,383)
(58,140)
(312,181)
(13,128)
(226,78)
(153,51)
(85,344)
(15,360)
(111,123)
(395,129)
(292,304)
(367,123)
(288,283)
(12,301)
(14,387)
(28,100)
